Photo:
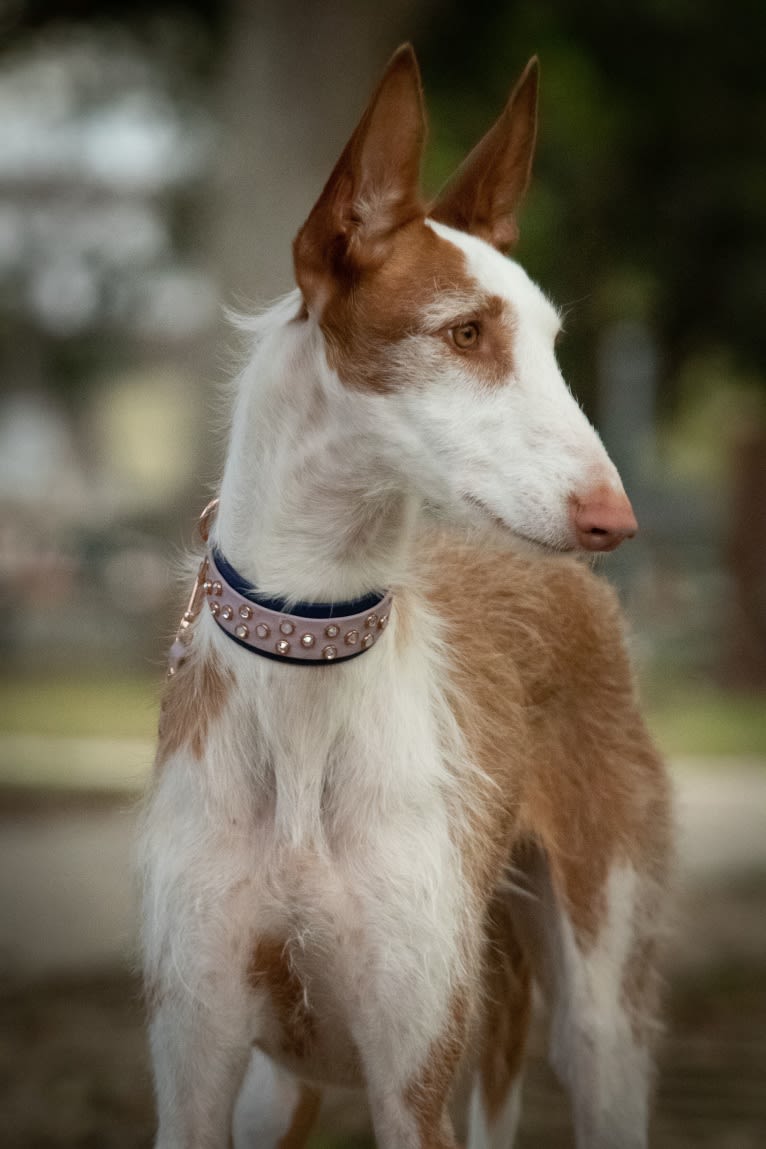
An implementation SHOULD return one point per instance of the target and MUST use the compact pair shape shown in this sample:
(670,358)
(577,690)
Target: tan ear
(487,189)
(373,190)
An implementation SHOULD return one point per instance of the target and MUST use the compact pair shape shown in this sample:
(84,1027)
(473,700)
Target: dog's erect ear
(373,190)
(487,189)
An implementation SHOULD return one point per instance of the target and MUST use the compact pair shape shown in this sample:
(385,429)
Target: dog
(402,774)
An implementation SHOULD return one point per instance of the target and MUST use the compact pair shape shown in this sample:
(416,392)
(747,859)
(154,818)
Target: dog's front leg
(411,998)
(410,1078)
(199,910)
(200,1051)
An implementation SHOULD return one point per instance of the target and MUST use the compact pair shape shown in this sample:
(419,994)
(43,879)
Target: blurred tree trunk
(294,79)
(745,653)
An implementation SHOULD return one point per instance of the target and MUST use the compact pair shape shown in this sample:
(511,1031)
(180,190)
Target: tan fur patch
(545,695)
(304,1116)
(508,1008)
(194,698)
(487,697)
(362,326)
(272,970)
(428,1093)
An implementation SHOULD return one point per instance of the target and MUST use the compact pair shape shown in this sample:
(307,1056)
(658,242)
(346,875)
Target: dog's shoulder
(537,623)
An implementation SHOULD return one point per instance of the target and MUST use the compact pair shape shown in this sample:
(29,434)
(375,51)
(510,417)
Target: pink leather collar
(291,637)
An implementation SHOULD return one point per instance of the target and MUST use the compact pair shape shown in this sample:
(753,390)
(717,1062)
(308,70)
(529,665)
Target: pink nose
(603,519)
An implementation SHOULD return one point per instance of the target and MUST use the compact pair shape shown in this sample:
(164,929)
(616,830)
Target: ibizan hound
(401,772)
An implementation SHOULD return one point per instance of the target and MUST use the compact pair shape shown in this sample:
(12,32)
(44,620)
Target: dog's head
(420,307)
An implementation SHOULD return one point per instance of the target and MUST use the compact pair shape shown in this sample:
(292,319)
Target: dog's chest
(353,752)
(366,923)
(359,800)
(359,885)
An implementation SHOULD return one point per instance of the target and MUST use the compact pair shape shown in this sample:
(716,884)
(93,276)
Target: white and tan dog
(364,841)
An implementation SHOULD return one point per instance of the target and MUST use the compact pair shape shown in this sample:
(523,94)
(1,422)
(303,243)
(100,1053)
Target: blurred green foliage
(649,198)
(696,719)
(80,706)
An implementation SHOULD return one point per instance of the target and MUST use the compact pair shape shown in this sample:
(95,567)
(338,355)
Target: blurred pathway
(721,808)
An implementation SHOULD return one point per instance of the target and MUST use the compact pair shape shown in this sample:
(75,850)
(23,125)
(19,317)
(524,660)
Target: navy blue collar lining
(283,606)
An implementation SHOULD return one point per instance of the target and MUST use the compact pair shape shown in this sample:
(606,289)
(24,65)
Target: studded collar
(309,633)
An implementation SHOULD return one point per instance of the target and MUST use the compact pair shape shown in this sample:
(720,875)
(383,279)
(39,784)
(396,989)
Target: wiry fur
(352,872)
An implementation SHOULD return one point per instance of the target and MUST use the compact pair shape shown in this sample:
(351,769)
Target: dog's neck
(307,510)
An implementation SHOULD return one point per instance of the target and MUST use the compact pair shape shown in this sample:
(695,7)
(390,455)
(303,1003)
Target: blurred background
(155,161)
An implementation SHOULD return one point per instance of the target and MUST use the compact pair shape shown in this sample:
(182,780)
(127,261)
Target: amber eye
(465,336)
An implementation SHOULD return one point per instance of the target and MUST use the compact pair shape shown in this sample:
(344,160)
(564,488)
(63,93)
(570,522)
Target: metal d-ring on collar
(310,633)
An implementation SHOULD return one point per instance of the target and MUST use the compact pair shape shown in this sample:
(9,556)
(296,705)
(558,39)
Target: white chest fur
(322,815)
